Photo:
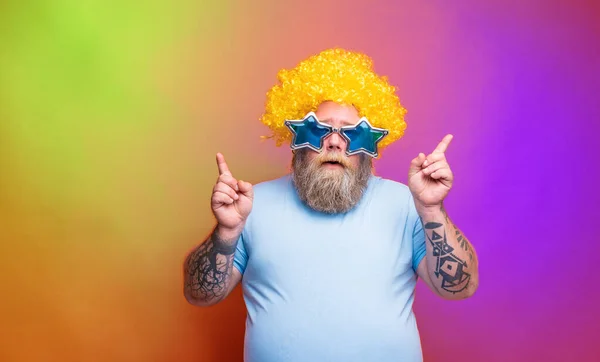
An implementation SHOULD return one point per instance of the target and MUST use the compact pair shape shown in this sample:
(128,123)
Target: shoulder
(274,186)
(389,189)
(390,184)
(270,198)
(272,191)
(393,199)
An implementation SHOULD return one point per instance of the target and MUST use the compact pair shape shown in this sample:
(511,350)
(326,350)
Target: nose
(335,143)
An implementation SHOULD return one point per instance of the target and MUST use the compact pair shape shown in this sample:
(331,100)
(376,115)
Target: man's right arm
(209,275)
(208,269)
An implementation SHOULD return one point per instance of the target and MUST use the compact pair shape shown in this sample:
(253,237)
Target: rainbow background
(111,114)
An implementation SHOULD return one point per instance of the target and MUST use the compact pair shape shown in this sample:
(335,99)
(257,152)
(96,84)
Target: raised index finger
(222,165)
(442,146)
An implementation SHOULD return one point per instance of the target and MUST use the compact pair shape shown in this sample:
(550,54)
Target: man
(329,255)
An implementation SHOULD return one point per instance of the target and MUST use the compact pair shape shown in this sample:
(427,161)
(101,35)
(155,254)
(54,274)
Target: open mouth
(332,163)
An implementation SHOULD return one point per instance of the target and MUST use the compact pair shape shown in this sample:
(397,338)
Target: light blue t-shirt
(331,287)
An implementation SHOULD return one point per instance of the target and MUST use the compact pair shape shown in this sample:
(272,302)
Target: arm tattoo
(464,242)
(448,265)
(208,269)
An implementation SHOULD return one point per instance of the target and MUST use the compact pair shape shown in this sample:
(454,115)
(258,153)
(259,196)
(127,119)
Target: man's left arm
(450,265)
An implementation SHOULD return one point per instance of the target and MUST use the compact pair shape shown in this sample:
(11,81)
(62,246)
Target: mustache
(333,157)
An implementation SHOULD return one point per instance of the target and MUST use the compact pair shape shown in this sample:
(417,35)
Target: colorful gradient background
(111,114)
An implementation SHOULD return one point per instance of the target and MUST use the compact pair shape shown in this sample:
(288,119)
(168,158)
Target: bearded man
(329,255)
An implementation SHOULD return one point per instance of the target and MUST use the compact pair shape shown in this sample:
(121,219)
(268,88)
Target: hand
(430,177)
(231,200)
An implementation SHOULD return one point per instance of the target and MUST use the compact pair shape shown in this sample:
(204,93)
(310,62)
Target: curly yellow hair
(340,76)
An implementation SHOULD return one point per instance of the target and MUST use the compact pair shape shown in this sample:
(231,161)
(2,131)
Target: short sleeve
(418,237)
(240,259)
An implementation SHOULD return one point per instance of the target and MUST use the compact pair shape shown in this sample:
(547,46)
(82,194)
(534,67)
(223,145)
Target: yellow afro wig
(340,76)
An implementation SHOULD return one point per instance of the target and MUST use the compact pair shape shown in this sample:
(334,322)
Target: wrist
(429,212)
(228,235)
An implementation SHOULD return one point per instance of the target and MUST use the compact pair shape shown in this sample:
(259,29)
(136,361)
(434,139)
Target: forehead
(336,114)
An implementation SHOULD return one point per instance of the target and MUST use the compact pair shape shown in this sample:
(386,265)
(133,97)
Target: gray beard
(329,191)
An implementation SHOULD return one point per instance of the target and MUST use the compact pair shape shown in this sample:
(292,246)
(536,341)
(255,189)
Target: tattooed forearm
(452,265)
(208,269)
(448,266)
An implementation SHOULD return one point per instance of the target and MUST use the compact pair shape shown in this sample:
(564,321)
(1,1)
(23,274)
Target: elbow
(472,286)
(199,302)
(465,293)
(468,292)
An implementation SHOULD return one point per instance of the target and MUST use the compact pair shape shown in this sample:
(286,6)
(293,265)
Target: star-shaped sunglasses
(310,132)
